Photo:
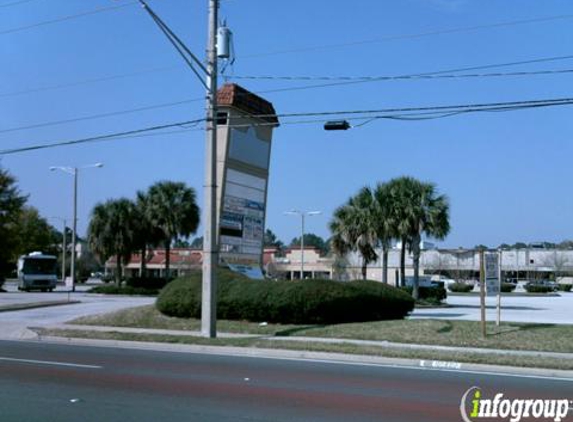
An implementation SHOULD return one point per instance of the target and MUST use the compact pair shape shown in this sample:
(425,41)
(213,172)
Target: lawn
(513,336)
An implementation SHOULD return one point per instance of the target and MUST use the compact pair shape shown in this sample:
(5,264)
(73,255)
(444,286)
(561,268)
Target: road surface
(54,382)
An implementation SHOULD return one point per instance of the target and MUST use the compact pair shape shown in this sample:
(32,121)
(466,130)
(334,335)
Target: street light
(63,220)
(302,216)
(74,172)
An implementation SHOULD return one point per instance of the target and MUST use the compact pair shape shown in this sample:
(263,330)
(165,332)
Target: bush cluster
(460,287)
(537,288)
(435,294)
(112,289)
(565,287)
(287,302)
(507,287)
(153,283)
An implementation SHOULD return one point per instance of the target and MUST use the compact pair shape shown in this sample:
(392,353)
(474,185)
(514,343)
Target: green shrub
(154,283)
(112,289)
(537,288)
(507,287)
(460,287)
(565,287)
(435,294)
(287,302)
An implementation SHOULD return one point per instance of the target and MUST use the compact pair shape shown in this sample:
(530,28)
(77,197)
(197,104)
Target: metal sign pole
(499,273)
(482,291)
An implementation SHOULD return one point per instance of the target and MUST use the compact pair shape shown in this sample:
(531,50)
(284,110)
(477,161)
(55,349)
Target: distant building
(459,264)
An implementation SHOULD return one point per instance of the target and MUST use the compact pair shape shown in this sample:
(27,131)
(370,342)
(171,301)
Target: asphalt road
(52,382)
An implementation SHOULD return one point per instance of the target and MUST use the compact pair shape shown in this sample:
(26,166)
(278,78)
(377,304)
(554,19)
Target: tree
(111,232)
(310,239)
(145,233)
(271,240)
(35,234)
(353,228)
(171,208)
(385,226)
(11,204)
(197,243)
(418,210)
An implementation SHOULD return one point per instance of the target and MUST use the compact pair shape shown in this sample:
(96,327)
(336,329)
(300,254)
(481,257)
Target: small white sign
(492,273)
(68,282)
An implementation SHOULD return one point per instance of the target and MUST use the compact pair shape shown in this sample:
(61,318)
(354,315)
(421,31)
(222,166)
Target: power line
(429,76)
(405,113)
(15,3)
(99,138)
(461,69)
(66,18)
(99,116)
(401,77)
(411,36)
(88,81)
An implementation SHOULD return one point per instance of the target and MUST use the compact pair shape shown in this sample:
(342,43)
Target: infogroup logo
(474,406)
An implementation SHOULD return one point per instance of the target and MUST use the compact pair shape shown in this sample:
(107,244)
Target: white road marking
(47,362)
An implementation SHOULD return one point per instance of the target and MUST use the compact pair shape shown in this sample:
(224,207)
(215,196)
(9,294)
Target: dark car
(545,283)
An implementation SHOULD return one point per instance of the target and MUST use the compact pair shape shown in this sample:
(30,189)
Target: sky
(507,174)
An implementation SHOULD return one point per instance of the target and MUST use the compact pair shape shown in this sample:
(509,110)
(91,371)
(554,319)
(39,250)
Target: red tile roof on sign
(236,96)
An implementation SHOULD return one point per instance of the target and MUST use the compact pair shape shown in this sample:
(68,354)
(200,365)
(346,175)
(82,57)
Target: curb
(34,305)
(321,357)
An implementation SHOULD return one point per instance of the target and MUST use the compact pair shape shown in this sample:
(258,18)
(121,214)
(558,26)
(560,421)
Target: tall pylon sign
(245,124)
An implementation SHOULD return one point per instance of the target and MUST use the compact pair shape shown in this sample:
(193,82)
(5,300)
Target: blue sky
(508,175)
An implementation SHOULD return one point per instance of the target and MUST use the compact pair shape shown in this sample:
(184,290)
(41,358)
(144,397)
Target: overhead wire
(15,3)
(429,75)
(66,18)
(99,138)
(410,36)
(404,113)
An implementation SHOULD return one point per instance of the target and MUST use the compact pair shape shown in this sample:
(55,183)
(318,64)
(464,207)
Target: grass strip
(509,336)
(460,357)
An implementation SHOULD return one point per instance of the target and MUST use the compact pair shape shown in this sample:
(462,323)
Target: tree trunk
(118,271)
(403,264)
(167,258)
(364,267)
(143,263)
(416,262)
(385,264)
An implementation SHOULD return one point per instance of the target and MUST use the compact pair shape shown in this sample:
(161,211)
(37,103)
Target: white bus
(37,271)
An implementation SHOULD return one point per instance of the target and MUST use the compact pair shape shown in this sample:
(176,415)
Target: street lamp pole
(302,214)
(74,172)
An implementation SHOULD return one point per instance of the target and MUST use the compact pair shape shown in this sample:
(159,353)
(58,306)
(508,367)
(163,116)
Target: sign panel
(242,218)
(492,273)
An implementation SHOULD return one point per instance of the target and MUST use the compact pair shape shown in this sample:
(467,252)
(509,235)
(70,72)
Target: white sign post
(493,278)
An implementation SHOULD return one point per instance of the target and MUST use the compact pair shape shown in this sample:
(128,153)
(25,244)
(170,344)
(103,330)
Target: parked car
(545,283)
(446,282)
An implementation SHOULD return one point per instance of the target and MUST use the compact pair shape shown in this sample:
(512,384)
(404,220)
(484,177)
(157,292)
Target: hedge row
(436,294)
(460,288)
(287,302)
(536,288)
(154,283)
(112,289)
(565,287)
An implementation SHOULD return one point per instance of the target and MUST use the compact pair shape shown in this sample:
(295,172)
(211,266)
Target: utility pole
(210,248)
(74,228)
(64,255)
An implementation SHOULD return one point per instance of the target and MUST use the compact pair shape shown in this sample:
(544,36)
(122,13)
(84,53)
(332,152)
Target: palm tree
(146,234)
(385,225)
(171,208)
(416,209)
(400,193)
(430,217)
(353,228)
(111,231)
